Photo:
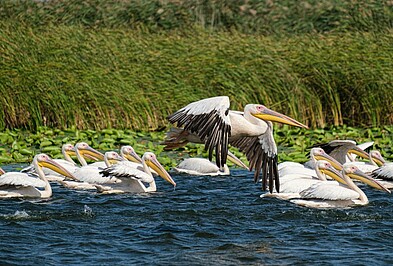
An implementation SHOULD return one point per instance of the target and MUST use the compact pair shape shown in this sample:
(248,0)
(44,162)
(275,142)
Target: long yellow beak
(133,157)
(362,177)
(333,173)
(2,172)
(92,154)
(231,157)
(49,163)
(330,159)
(359,152)
(270,115)
(156,166)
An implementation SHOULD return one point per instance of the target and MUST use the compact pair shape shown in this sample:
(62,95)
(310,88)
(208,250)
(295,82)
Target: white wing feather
(329,191)
(91,175)
(20,179)
(384,172)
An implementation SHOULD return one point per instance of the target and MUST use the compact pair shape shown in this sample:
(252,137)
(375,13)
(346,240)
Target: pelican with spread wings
(210,121)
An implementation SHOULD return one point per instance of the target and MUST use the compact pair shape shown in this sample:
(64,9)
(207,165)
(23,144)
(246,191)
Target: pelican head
(86,151)
(377,157)
(69,149)
(129,153)
(353,172)
(327,168)
(43,160)
(112,157)
(151,160)
(264,113)
(319,154)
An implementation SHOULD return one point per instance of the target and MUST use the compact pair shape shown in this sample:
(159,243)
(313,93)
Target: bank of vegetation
(128,64)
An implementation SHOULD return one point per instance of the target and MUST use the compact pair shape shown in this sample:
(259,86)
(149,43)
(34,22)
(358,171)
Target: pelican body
(131,180)
(22,185)
(329,195)
(201,166)
(213,124)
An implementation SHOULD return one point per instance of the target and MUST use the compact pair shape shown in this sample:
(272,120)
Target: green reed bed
(247,16)
(64,76)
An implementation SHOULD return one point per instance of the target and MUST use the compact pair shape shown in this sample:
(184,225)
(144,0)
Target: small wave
(17,215)
(88,211)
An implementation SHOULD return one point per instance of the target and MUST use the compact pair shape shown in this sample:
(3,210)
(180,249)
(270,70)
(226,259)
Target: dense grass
(61,76)
(128,64)
(247,16)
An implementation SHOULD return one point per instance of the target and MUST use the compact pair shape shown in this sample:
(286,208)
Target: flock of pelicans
(326,181)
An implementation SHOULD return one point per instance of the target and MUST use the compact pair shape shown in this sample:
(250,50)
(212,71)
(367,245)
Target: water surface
(205,221)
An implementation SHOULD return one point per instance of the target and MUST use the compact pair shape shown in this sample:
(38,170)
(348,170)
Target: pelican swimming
(375,161)
(22,185)
(292,168)
(67,150)
(202,166)
(339,149)
(131,179)
(212,123)
(87,176)
(330,195)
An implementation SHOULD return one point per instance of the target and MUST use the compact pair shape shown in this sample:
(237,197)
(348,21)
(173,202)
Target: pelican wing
(261,152)
(124,170)
(384,172)
(20,179)
(208,119)
(199,165)
(91,175)
(329,191)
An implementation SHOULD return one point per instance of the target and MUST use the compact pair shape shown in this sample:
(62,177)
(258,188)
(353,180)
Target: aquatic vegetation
(293,144)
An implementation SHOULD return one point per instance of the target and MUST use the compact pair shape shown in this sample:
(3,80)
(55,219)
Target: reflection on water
(205,221)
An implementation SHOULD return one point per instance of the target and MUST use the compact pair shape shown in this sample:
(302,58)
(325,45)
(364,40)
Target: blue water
(205,221)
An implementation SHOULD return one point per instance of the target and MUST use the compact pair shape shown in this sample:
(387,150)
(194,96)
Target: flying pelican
(131,179)
(201,166)
(22,185)
(211,121)
(330,195)
(87,176)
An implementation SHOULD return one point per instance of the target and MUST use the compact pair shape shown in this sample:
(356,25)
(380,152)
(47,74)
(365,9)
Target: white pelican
(291,168)
(22,185)
(330,195)
(213,124)
(375,160)
(87,176)
(131,179)
(339,149)
(67,150)
(292,184)
(202,166)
